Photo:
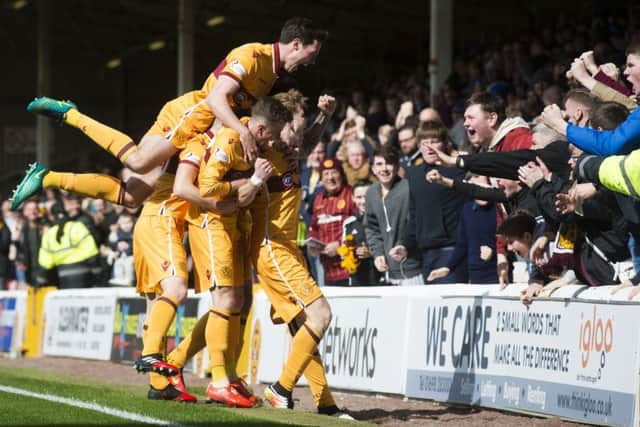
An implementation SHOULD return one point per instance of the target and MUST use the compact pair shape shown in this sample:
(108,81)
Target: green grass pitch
(20,410)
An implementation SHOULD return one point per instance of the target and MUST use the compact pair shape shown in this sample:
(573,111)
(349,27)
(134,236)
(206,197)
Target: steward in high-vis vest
(68,254)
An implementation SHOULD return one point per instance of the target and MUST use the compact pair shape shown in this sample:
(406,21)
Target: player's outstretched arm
(217,100)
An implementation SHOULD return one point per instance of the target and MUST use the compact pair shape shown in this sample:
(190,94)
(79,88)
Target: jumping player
(247,73)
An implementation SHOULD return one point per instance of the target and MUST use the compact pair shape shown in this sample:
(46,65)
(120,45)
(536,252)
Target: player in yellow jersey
(217,244)
(247,73)
(283,207)
(295,297)
(161,268)
(161,264)
(159,239)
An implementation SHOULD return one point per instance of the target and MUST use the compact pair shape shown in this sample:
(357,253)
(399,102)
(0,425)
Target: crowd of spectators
(67,241)
(402,192)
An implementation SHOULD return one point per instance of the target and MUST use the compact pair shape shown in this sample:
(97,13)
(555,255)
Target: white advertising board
(79,323)
(363,348)
(570,358)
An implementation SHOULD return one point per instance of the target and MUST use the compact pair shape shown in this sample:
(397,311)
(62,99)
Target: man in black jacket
(434,210)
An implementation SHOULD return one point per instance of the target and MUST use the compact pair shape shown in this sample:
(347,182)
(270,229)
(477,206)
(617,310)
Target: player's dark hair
(303,29)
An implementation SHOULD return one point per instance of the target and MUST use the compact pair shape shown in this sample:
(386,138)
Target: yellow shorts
(218,255)
(158,252)
(181,119)
(284,277)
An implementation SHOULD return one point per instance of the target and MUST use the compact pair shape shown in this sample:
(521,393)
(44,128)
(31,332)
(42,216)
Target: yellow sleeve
(193,152)
(240,64)
(222,156)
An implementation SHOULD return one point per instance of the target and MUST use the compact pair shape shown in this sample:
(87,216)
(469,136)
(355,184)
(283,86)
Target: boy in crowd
(434,210)
(386,215)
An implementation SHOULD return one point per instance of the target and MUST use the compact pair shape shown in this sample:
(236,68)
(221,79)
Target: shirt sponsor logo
(221,156)
(237,68)
(326,219)
(191,157)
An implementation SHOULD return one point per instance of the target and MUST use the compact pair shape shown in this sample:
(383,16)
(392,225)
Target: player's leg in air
(174,126)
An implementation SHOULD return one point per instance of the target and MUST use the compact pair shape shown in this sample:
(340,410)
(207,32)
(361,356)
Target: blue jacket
(622,140)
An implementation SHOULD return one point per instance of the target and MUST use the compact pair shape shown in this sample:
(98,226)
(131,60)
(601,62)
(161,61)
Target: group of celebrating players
(232,183)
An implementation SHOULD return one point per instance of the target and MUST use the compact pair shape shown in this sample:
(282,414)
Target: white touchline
(91,406)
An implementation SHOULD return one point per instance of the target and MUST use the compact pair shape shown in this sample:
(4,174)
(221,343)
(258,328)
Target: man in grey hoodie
(386,215)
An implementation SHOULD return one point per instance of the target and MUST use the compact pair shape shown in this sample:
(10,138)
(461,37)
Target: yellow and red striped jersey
(222,163)
(162,201)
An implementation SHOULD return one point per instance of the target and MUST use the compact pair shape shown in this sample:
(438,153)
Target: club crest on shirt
(226,272)
(305,289)
(341,204)
(287,181)
(165,265)
(419,161)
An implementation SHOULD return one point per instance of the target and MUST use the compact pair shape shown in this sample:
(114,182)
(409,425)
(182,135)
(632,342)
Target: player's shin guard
(303,345)
(162,314)
(317,379)
(217,337)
